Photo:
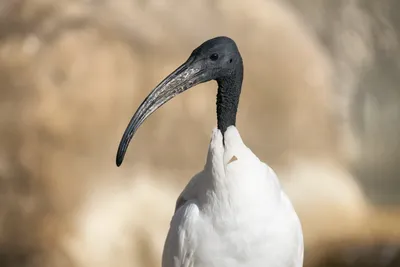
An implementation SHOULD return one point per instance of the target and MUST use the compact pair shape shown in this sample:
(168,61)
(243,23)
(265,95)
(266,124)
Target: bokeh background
(320,104)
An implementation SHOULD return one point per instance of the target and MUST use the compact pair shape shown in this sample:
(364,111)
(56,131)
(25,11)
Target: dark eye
(214,57)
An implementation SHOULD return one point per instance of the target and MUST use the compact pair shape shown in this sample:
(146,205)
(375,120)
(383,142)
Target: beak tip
(118,161)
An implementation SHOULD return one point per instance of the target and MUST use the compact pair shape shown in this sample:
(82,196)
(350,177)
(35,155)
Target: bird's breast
(239,226)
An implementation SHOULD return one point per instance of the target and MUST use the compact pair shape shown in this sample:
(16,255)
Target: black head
(219,57)
(216,59)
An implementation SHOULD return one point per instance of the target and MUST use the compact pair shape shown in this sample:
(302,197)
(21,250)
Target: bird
(233,213)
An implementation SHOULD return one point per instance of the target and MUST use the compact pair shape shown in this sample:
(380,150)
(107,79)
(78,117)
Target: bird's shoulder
(190,191)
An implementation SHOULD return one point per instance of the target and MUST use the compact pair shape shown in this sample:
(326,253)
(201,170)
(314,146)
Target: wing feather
(181,239)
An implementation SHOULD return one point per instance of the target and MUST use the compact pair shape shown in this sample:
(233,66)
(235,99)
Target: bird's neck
(229,89)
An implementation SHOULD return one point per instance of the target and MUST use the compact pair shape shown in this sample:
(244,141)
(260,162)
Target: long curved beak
(184,77)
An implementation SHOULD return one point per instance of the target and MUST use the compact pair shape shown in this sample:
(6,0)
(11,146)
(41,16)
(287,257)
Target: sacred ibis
(234,212)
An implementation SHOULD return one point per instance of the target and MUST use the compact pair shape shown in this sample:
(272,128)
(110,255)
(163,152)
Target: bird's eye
(214,57)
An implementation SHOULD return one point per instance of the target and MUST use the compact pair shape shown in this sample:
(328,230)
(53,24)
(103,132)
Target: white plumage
(233,214)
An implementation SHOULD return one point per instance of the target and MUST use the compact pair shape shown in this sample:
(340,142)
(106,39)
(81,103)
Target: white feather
(234,214)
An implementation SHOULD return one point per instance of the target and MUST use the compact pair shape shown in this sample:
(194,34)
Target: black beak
(186,76)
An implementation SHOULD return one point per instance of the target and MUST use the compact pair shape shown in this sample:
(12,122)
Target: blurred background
(320,104)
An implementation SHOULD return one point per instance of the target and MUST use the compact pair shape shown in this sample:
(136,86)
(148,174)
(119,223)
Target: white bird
(234,213)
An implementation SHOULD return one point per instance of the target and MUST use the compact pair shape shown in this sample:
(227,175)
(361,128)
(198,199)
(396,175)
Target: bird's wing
(298,257)
(181,240)
(298,261)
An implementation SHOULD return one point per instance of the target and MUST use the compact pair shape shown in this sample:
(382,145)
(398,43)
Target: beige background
(320,104)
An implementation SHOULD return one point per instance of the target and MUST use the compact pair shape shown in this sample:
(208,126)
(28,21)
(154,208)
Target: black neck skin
(229,89)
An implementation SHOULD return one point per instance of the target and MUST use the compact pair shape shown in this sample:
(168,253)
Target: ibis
(234,213)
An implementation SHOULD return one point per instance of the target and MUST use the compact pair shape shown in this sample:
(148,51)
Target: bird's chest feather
(232,236)
(238,242)
(242,220)
(227,242)
(243,225)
